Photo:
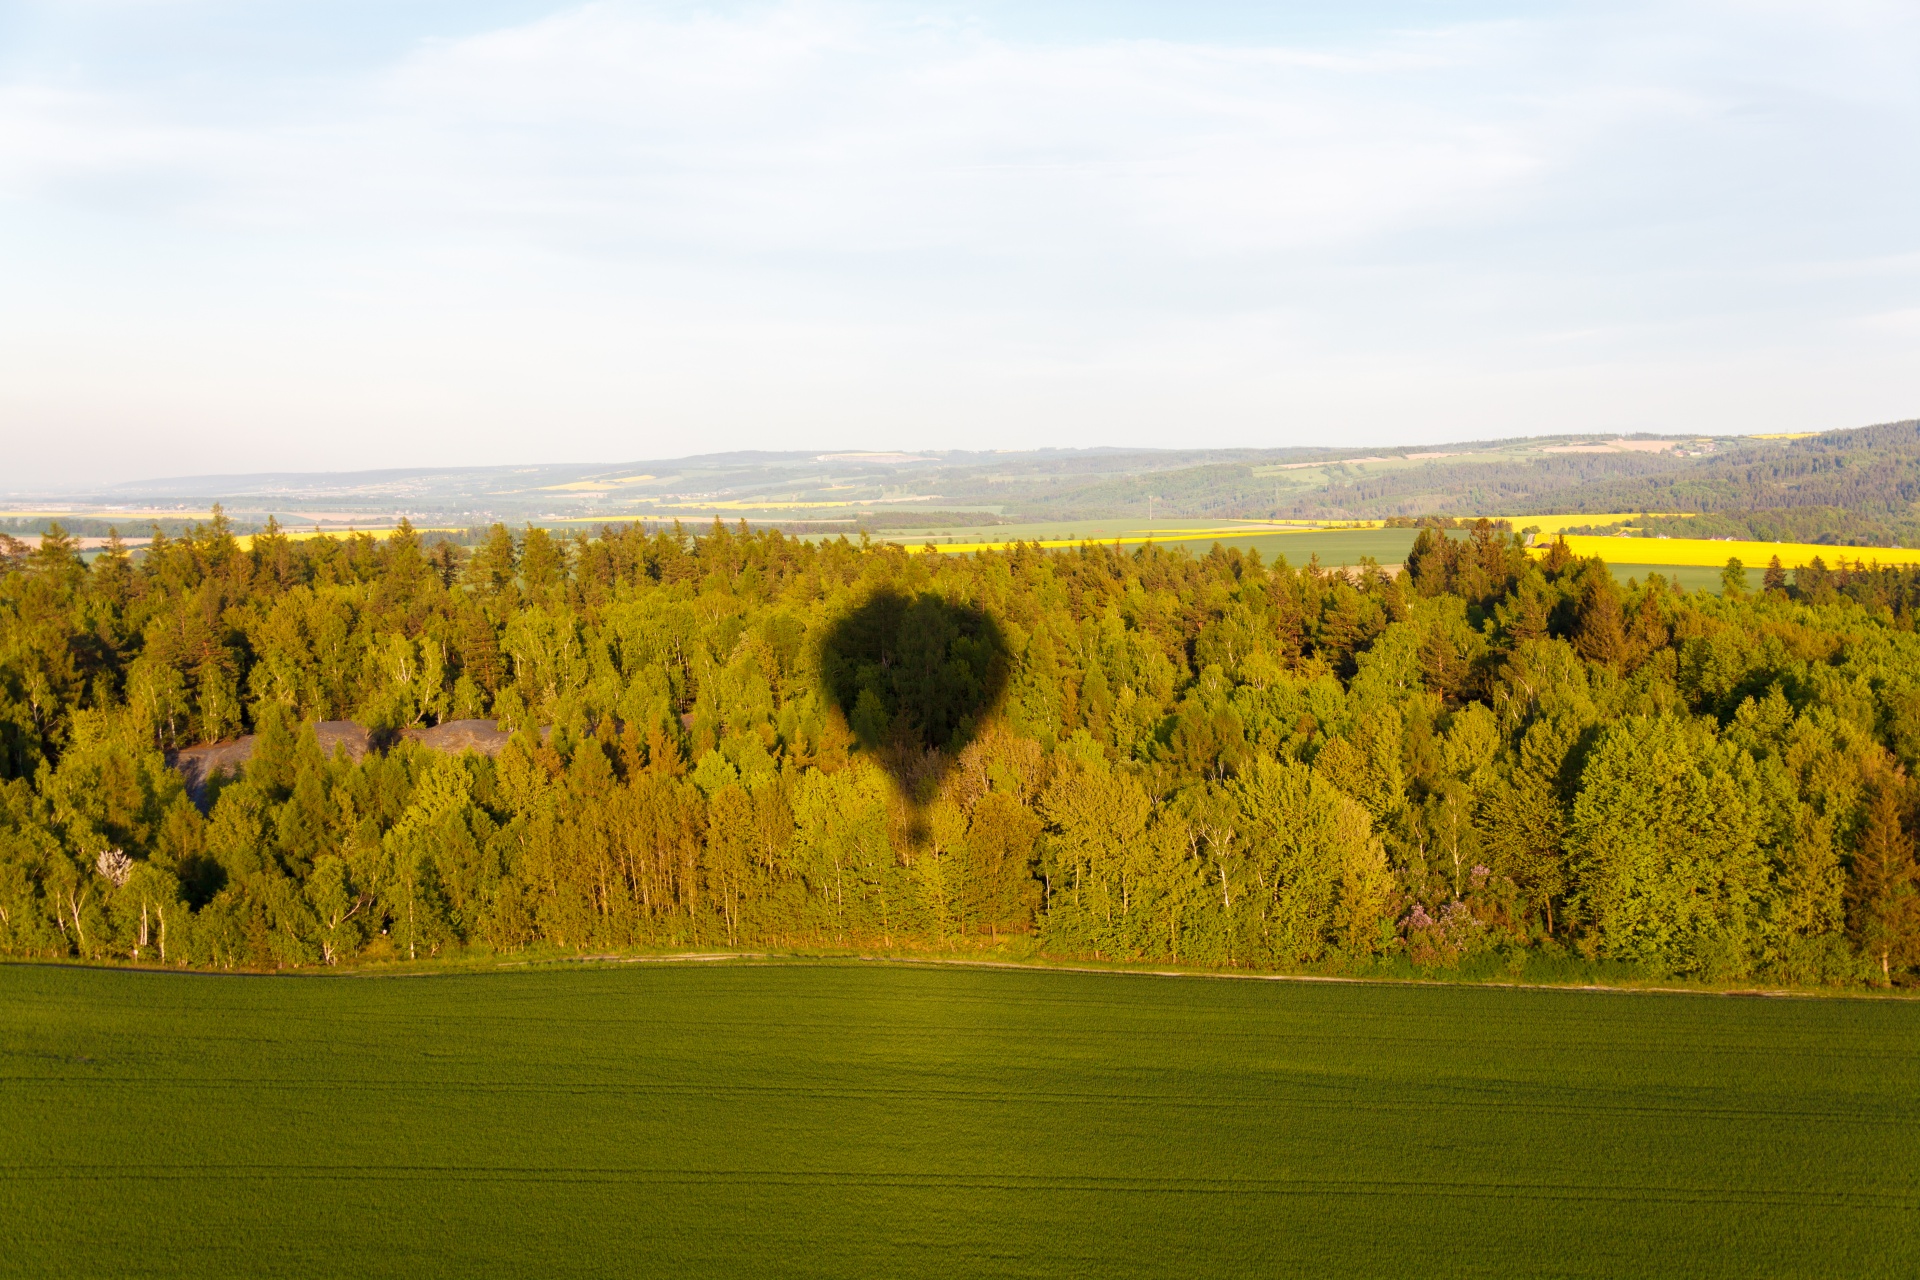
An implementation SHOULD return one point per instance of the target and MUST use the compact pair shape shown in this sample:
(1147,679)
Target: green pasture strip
(1334,547)
(1104,529)
(854,1119)
(1690,577)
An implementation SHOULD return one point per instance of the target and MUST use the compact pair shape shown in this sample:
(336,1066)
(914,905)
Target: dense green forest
(741,739)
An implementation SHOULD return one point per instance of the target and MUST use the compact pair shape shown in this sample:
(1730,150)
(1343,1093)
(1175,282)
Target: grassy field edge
(1578,975)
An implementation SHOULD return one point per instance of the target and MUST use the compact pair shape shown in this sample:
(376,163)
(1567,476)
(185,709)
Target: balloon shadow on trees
(916,676)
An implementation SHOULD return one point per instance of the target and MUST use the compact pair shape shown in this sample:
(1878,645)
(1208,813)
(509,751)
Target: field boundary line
(1766,993)
(1748,993)
(802,957)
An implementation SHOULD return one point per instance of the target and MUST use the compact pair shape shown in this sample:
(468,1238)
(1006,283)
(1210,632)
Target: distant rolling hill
(1858,487)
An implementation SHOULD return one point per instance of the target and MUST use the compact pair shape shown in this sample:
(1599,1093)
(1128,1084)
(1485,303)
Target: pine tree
(1733,579)
(480,648)
(272,555)
(113,571)
(1884,898)
(1600,633)
(1430,562)
(492,567)
(543,561)
(1814,581)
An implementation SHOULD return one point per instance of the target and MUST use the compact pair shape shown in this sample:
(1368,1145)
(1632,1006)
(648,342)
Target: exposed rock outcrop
(483,737)
(198,766)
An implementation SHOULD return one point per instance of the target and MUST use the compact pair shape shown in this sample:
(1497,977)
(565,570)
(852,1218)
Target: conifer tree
(1884,898)
(1600,633)
(1733,579)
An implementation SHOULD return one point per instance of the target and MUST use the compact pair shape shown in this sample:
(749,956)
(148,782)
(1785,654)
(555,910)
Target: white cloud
(825,128)
(637,228)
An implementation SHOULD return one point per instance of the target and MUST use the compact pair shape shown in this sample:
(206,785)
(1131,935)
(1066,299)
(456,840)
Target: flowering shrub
(115,866)
(1465,926)
(1445,940)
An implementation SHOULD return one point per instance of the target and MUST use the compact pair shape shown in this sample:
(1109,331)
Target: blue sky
(239,236)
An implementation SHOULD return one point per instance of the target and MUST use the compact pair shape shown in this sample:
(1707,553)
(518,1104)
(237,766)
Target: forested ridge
(1854,487)
(1455,485)
(741,739)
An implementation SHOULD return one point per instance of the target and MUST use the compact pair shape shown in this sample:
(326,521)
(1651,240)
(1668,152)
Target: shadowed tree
(914,674)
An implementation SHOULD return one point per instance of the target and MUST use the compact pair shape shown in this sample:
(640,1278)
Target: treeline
(742,739)
(16,532)
(1845,531)
(1832,526)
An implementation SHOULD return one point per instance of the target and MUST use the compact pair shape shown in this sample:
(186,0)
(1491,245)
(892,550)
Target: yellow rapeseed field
(1707,551)
(245,540)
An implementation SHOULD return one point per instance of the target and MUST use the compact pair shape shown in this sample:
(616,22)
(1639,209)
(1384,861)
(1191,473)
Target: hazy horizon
(138,484)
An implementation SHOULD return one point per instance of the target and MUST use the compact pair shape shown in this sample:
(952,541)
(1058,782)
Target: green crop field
(1689,577)
(853,1119)
(1132,529)
(1333,546)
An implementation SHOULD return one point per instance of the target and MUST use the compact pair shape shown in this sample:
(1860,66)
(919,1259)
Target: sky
(245,235)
